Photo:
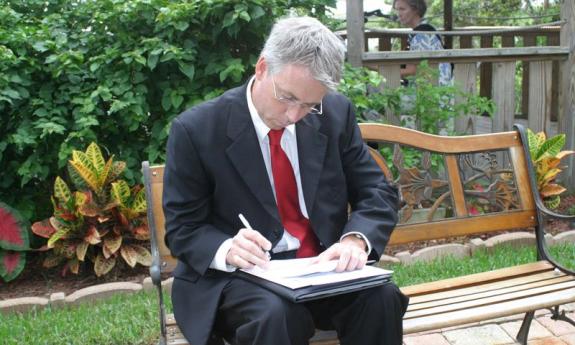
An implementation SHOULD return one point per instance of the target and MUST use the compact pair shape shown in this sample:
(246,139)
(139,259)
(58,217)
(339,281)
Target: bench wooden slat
(492,299)
(462,226)
(522,178)
(470,315)
(488,288)
(436,143)
(456,187)
(473,279)
(489,292)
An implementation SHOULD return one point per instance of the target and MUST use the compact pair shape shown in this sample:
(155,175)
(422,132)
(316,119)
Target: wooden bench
(469,185)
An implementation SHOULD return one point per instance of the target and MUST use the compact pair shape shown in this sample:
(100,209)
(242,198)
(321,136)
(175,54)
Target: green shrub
(114,72)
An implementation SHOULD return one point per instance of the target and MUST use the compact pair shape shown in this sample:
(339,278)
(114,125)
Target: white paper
(297,273)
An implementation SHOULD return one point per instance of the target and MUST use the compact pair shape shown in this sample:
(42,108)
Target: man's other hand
(350,253)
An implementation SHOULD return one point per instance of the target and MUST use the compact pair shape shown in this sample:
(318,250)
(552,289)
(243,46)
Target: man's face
(287,96)
(407,15)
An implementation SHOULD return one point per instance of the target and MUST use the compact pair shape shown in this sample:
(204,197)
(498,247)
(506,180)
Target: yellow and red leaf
(61,190)
(113,243)
(73,265)
(551,190)
(120,192)
(95,156)
(103,265)
(143,255)
(139,204)
(106,252)
(82,167)
(43,228)
(59,234)
(81,250)
(141,233)
(92,235)
(130,255)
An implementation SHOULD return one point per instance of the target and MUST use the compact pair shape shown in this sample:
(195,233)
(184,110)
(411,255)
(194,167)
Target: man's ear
(261,68)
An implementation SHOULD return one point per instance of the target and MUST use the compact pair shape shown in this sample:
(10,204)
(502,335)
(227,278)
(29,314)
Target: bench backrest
(481,181)
(466,185)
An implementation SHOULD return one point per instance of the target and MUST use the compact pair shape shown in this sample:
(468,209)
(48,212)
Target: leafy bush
(433,106)
(102,220)
(362,87)
(546,155)
(13,242)
(114,72)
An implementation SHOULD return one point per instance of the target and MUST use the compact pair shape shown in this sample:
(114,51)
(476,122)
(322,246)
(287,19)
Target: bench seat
(462,300)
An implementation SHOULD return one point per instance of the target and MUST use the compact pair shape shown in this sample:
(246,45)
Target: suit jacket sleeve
(186,197)
(373,200)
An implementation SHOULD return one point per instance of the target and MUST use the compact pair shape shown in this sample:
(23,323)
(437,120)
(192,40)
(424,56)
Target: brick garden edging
(101,291)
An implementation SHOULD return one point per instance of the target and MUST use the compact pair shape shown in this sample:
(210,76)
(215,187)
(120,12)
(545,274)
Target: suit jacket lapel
(245,154)
(312,147)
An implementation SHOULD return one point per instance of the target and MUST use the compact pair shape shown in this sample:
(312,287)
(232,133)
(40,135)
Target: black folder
(313,292)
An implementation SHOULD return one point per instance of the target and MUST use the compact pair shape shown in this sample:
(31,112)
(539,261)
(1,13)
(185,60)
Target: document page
(298,273)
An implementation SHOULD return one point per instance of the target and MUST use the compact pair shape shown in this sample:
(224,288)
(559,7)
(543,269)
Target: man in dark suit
(285,151)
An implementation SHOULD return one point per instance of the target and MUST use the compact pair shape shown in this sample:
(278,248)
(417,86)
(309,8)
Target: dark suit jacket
(215,170)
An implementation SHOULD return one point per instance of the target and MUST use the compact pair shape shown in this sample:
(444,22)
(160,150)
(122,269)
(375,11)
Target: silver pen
(248,226)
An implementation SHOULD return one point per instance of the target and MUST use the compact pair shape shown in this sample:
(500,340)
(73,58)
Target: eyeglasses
(291,102)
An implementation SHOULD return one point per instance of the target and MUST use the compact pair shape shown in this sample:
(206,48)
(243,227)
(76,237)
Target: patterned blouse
(430,42)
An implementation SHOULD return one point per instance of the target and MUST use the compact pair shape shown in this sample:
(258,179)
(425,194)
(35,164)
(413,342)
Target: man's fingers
(343,261)
(257,238)
(349,257)
(247,250)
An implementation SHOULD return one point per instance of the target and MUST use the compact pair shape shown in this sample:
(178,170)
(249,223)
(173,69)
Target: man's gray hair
(306,42)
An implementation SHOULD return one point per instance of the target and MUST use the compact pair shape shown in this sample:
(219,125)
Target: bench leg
(523,333)
(560,315)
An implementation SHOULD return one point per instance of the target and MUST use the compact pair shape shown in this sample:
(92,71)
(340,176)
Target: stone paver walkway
(543,331)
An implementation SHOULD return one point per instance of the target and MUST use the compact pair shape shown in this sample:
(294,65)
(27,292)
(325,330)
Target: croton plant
(103,220)
(546,155)
(14,242)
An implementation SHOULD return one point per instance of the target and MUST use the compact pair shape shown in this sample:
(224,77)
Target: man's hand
(350,252)
(249,249)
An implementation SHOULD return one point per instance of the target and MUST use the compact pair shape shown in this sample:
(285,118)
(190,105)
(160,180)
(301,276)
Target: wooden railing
(467,65)
(482,69)
(386,40)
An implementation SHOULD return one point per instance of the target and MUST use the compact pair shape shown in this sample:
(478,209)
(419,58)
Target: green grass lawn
(132,319)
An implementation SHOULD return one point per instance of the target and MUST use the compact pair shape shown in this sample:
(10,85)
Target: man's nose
(296,113)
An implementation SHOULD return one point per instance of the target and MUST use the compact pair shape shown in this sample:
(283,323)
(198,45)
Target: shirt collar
(262,129)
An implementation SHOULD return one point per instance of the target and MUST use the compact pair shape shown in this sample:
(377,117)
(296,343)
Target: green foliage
(14,242)
(103,220)
(362,87)
(114,72)
(433,106)
(494,13)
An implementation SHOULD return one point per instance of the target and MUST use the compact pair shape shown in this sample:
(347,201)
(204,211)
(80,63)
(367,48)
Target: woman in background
(411,14)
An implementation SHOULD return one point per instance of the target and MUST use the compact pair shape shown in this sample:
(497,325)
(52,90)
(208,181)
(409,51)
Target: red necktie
(287,199)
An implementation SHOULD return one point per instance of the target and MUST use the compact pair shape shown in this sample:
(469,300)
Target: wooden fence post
(567,91)
(355,43)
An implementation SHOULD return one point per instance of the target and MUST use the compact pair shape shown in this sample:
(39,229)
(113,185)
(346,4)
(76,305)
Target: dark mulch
(37,281)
